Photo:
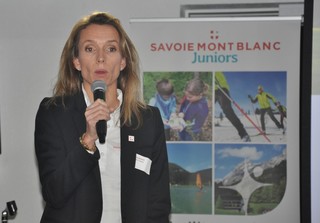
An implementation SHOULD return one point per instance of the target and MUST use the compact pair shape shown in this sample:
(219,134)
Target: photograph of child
(185,103)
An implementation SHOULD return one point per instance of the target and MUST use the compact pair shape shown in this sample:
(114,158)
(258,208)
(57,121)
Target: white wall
(32,34)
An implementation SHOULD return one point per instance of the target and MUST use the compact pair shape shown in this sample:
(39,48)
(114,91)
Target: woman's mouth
(100,73)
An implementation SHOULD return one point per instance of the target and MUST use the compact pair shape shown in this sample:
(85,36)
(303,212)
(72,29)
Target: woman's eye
(88,49)
(111,49)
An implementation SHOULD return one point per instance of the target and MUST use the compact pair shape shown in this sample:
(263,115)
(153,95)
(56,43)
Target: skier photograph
(246,120)
(221,96)
(264,98)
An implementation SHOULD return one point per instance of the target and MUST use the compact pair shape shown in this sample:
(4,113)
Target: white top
(110,166)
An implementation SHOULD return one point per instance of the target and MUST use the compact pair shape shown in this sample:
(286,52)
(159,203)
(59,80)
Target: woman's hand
(95,112)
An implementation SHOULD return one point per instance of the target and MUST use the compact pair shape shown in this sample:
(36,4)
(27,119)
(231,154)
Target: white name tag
(143,163)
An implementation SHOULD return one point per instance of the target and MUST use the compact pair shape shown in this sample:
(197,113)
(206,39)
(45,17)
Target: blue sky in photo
(228,156)
(244,83)
(190,156)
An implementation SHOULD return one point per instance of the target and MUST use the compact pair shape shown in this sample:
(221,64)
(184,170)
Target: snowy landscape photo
(250,107)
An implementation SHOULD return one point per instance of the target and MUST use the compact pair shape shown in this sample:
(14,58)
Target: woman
(125,179)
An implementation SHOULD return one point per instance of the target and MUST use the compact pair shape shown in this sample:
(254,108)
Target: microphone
(99,88)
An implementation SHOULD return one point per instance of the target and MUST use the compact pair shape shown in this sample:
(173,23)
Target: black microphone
(99,88)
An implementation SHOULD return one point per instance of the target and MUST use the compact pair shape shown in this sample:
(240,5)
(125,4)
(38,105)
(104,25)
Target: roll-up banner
(228,93)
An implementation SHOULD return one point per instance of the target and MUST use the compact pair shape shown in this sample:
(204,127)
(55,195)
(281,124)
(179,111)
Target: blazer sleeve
(159,203)
(63,163)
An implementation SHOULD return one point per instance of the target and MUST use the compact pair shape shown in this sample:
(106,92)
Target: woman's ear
(76,64)
(123,63)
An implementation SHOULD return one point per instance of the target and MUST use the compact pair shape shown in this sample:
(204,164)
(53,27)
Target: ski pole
(255,115)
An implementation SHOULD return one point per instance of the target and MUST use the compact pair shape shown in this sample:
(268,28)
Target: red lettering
(201,46)
(239,46)
(162,47)
(276,46)
(256,46)
(153,47)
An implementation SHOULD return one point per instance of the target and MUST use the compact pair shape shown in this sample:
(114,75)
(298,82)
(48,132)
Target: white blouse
(109,164)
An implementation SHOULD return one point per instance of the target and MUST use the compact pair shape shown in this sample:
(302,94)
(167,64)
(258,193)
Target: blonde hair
(69,78)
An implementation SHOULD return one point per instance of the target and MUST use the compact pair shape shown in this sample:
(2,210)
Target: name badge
(143,163)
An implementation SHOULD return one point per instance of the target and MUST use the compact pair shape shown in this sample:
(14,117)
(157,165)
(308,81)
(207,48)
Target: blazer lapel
(79,110)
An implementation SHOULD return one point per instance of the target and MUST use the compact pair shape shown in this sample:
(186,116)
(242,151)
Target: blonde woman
(126,178)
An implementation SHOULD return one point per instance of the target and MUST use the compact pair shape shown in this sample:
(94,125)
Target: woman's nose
(100,57)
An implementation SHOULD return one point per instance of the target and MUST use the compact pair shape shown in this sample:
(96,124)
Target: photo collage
(226,139)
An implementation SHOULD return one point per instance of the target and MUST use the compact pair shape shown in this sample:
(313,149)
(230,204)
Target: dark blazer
(70,176)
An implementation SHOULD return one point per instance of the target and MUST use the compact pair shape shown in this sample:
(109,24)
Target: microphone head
(98,85)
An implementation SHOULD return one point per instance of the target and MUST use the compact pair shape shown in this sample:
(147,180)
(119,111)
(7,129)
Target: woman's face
(99,55)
